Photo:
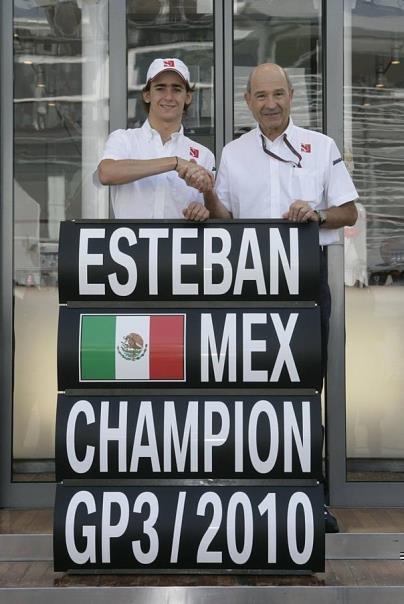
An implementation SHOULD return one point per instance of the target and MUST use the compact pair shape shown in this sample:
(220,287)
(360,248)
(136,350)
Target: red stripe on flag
(166,347)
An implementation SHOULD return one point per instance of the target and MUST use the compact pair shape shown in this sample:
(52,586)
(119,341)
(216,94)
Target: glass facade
(374,247)
(180,29)
(287,33)
(60,125)
(61,117)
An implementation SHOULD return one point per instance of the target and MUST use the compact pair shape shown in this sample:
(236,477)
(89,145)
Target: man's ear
(188,98)
(146,96)
(247,98)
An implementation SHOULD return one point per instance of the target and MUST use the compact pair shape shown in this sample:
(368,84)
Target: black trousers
(325,312)
(325,309)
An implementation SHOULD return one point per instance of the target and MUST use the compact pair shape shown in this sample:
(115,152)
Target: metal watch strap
(322,217)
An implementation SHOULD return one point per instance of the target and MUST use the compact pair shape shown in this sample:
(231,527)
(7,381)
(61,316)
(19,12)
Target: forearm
(215,206)
(340,216)
(123,171)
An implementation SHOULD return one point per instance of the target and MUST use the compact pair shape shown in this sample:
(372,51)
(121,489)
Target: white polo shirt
(160,196)
(251,184)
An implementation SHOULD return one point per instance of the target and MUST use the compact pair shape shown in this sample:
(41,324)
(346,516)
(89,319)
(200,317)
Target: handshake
(195,175)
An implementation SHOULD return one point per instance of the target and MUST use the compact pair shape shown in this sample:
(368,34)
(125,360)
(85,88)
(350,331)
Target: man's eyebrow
(257,92)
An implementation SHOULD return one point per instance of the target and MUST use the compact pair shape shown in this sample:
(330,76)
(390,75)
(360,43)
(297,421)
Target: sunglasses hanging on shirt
(285,161)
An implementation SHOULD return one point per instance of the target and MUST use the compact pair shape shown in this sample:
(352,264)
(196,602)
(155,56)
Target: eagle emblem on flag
(132,347)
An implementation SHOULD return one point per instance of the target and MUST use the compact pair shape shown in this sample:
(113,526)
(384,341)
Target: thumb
(193,161)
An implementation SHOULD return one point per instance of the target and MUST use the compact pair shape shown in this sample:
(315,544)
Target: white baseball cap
(160,65)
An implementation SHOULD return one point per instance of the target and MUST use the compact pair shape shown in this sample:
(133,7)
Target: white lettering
(211,258)
(250,346)
(189,437)
(285,356)
(148,556)
(238,435)
(227,350)
(145,420)
(108,434)
(215,439)
(123,289)
(77,465)
(180,259)
(256,273)
(153,235)
(303,556)
(112,531)
(291,269)
(86,260)
(302,439)
(88,532)
(263,466)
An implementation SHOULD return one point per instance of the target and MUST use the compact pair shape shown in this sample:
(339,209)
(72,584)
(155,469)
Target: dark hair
(146,106)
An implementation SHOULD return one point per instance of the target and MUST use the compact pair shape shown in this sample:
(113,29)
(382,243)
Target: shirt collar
(288,131)
(150,132)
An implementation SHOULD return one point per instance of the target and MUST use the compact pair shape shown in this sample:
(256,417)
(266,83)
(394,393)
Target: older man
(279,170)
(156,171)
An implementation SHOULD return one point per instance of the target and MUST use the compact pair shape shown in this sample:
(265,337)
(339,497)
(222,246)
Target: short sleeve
(116,146)
(210,161)
(339,188)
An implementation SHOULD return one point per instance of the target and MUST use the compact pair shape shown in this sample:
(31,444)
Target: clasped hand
(300,211)
(195,175)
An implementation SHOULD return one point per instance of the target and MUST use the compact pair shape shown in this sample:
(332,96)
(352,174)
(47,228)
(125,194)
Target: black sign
(188,437)
(194,348)
(189,528)
(178,260)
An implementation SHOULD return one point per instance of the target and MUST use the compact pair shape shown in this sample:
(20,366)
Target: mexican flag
(132,348)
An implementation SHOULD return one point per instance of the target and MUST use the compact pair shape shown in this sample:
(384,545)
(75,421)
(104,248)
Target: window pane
(184,30)
(374,248)
(287,33)
(61,122)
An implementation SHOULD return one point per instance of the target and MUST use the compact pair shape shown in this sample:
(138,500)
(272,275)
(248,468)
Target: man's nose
(270,102)
(168,93)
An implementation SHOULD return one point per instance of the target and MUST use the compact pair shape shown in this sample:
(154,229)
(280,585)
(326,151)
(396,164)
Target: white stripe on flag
(129,369)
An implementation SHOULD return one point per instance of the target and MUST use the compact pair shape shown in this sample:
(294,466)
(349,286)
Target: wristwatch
(322,216)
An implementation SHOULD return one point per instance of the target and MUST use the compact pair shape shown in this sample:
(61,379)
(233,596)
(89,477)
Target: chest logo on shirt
(305,147)
(193,152)
(169,63)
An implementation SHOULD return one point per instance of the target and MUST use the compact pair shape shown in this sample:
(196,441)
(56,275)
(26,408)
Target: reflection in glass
(173,28)
(287,33)
(61,122)
(374,248)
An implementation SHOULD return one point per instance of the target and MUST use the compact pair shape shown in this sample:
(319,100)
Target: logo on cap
(193,152)
(169,63)
(305,148)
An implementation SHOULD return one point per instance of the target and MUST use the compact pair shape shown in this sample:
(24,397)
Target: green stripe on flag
(98,347)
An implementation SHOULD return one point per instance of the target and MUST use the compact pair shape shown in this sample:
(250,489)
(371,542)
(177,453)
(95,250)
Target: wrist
(176,163)
(321,217)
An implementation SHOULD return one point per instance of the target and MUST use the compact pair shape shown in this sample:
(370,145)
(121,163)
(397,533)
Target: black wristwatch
(322,217)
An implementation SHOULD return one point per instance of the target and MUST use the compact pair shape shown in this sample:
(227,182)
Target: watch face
(322,216)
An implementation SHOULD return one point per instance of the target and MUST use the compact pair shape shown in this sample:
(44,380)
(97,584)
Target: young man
(279,170)
(156,171)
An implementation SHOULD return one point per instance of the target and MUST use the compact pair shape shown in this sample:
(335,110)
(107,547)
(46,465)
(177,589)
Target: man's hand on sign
(301,211)
(195,176)
(196,212)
